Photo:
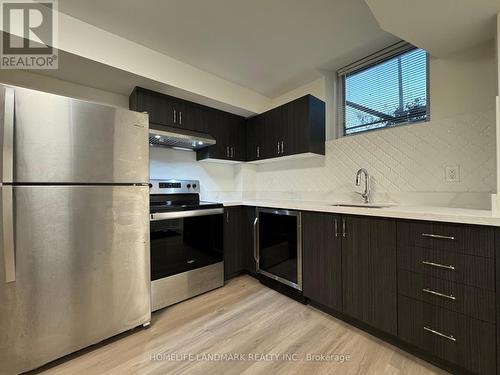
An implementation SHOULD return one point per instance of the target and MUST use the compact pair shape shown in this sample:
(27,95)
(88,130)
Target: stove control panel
(174,186)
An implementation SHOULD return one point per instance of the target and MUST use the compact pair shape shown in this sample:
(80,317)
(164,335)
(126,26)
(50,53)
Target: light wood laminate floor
(243,318)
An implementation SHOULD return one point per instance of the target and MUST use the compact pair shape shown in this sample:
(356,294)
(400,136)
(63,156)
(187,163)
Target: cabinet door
(369,271)
(255,138)
(236,137)
(233,251)
(272,132)
(218,128)
(322,259)
(296,137)
(189,116)
(239,241)
(159,108)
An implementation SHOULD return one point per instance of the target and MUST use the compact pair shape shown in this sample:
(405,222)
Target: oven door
(278,246)
(184,241)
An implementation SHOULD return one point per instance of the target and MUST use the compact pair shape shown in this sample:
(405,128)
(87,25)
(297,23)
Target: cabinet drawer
(468,300)
(465,341)
(460,238)
(465,269)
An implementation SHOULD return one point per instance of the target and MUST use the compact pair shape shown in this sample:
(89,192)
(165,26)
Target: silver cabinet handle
(8,135)
(336,228)
(438,265)
(232,152)
(281,146)
(180,118)
(175,116)
(258,152)
(433,292)
(227,216)
(9,251)
(438,236)
(437,333)
(343,228)
(256,242)
(227,151)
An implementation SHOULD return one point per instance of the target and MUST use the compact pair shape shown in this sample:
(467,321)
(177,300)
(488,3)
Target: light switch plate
(452,173)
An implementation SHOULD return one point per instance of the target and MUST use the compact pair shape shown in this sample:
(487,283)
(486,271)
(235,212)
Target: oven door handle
(184,214)
(256,243)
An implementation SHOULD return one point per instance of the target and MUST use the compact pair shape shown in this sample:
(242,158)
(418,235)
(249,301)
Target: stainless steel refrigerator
(74,260)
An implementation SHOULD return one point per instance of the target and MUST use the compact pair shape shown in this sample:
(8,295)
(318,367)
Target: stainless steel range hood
(179,138)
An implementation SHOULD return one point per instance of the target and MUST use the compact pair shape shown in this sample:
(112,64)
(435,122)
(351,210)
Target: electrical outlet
(452,173)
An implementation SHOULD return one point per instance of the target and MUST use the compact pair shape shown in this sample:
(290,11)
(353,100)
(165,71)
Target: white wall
(498,50)
(217,181)
(463,82)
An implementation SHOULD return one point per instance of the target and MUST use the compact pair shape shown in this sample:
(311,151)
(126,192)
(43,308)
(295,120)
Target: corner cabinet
(238,241)
(297,127)
(229,132)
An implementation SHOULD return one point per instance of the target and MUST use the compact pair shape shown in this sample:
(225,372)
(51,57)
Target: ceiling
(440,27)
(269,46)
(85,72)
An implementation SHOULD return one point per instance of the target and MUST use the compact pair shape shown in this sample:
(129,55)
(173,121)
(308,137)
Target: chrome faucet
(366,193)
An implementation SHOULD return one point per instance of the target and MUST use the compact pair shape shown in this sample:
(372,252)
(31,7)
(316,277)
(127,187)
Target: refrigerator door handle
(9,252)
(8,136)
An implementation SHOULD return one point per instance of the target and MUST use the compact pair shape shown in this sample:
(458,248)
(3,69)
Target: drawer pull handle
(437,333)
(432,264)
(438,236)
(433,292)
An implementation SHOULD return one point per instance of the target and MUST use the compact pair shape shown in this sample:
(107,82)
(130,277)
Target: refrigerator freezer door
(82,271)
(63,140)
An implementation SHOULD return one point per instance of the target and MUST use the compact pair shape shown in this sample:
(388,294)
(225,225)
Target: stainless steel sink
(363,205)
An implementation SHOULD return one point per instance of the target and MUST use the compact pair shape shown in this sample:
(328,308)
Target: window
(384,90)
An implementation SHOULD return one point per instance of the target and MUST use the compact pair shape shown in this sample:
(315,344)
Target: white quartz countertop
(430,213)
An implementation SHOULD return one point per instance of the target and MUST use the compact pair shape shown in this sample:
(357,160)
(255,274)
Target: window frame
(365,63)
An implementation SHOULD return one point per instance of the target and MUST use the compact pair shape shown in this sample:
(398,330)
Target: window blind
(386,89)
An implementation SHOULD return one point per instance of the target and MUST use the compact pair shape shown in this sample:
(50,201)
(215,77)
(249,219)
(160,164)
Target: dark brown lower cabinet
(322,259)
(465,299)
(349,265)
(467,342)
(233,254)
(238,241)
(369,285)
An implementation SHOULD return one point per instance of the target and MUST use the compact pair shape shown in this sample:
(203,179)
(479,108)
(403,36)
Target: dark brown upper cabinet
(229,132)
(165,110)
(297,127)
(294,128)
